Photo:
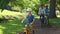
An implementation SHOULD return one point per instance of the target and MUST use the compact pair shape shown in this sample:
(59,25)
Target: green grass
(11,13)
(11,27)
(55,21)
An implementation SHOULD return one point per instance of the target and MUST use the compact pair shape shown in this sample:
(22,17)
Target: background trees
(34,4)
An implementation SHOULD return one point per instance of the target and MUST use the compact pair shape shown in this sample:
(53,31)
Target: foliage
(24,4)
(58,2)
(45,2)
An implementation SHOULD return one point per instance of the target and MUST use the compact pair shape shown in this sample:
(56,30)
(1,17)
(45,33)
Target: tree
(58,5)
(52,8)
(3,4)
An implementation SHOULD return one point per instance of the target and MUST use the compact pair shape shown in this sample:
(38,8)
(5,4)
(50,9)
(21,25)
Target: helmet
(29,9)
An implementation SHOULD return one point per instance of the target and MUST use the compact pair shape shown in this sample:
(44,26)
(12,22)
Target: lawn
(55,21)
(13,26)
(10,27)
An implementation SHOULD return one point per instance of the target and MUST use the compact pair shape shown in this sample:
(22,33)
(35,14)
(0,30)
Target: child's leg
(30,27)
(27,30)
(24,33)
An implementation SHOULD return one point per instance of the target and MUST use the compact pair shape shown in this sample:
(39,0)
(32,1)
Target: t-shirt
(46,10)
(30,18)
(41,11)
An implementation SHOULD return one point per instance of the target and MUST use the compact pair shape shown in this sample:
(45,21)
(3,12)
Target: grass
(11,13)
(11,27)
(55,22)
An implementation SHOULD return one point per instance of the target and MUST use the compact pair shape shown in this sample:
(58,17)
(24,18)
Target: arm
(39,12)
(23,20)
(33,21)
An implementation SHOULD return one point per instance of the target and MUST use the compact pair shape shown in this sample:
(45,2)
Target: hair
(46,5)
(41,5)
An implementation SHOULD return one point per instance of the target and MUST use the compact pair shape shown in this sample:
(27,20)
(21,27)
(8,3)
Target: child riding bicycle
(30,18)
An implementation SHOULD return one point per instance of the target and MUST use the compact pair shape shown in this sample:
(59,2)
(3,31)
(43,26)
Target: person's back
(41,13)
(47,10)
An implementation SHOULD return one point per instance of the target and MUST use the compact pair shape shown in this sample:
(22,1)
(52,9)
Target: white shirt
(41,11)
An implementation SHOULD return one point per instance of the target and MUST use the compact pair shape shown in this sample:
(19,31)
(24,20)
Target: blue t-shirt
(30,18)
(46,10)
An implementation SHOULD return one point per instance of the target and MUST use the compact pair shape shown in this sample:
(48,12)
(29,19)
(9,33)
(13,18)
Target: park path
(44,30)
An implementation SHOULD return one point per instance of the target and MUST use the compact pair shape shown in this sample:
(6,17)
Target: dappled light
(11,27)
(2,27)
(14,24)
(36,16)
(58,16)
(13,32)
(1,31)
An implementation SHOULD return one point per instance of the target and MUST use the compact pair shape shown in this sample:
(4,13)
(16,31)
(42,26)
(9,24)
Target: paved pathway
(44,30)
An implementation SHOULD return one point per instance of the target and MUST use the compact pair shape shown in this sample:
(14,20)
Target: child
(30,18)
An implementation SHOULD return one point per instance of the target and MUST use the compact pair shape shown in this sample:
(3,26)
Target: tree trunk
(52,9)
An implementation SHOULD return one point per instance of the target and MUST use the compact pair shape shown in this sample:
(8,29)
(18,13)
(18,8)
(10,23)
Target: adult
(41,13)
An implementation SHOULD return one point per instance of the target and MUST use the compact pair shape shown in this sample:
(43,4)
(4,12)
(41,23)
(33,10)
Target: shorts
(27,25)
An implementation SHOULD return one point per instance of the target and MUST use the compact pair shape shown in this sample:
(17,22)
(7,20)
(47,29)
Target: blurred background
(13,11)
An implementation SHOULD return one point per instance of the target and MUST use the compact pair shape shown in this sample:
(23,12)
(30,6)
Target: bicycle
(44,20)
